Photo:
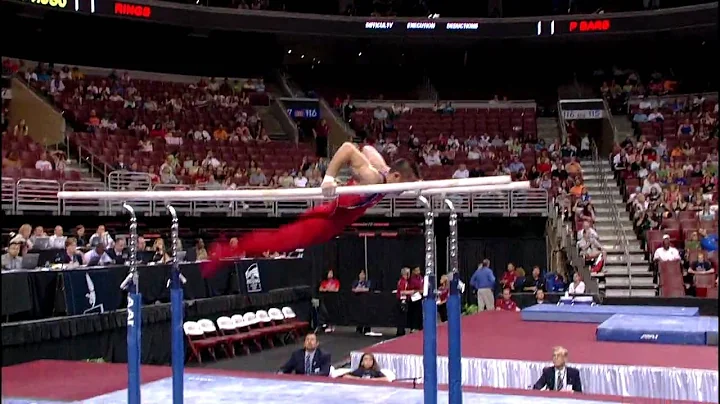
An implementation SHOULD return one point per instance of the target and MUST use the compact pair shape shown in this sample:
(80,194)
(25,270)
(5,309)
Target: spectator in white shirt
(473,154)
(173,140)
(43,164)
(300,181)
(577,287)
(432,158)
(587,228)
(201,134)
(101,237)
(211,161)
(57,240)
(666,252)
(649,184)
(461,172)
(97,256)
(56,86)
(656,116)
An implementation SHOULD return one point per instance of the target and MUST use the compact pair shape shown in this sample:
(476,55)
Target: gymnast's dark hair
(406,168)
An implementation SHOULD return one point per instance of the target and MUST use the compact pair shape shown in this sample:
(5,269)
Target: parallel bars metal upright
(429,305)
(454,312)
(134,311)
(176,310)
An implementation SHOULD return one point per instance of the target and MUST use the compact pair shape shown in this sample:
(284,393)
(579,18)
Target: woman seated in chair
(368,369)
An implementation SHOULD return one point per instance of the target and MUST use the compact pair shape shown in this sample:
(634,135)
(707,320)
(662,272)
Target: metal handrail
(561,123)
(606,192)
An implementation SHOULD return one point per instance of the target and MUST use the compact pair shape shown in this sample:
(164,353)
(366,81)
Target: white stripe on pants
(486,299)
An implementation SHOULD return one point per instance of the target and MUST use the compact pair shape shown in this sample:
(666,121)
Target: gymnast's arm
(363,169)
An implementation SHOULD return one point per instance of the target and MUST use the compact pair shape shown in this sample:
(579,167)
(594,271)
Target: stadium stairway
(616,281)
(271,124)
(547,129)
(623,127)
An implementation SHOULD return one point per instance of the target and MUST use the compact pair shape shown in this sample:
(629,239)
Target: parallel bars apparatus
(420,189)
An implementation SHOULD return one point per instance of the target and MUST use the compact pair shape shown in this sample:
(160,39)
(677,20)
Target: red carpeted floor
(503,335)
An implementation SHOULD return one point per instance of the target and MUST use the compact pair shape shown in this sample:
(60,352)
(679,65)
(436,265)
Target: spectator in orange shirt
(578,189)
(220,133)
(506,303)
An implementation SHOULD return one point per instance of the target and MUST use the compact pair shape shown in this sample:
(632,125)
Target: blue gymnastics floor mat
(240,390)
(599,313)
(658,330)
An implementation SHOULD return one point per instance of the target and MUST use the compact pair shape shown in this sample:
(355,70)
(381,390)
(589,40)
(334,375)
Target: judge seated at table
(118,253)
(70,255)
(12,260)
(308,361)
(559,377)
(57,240)
(97,256)
(161,256)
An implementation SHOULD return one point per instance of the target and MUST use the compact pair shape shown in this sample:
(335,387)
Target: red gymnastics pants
(316,226)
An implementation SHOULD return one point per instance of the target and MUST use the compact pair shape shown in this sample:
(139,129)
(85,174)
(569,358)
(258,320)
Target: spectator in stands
(577,287)
(300,181)
(97,256)
(590,248)
(257,177)
(701,265)
(509,277)
(505,302)
(540,297)
(71,255)
(11,260)
(57,240)
(11,161)
(535,281)
(200,250)
(21,129)
(666,252)
(483,281)
(707,214)
(23,237)
(43,164)
(587,228)
(101,236)
(37,233)
(461,172)
(308,361)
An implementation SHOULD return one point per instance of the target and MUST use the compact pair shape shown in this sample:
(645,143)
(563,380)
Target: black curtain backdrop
(386,256)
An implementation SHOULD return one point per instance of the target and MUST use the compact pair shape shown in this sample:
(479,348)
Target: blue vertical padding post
(134,310)
(454,342)
(454,312)
(429,306)
(177,310)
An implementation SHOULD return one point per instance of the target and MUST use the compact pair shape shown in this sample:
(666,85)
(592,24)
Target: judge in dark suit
(559,377)
(308,361)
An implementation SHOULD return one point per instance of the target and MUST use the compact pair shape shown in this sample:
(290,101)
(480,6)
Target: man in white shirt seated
(656,116)
(587,228)
(211,161)
(101,236)
(666,252)
(97,256)
(57,240)
(300,181)
(461,172)
(43,164)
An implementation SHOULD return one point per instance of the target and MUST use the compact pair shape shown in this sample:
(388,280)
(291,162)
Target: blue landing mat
(658,330)
(598,314)
(200,389)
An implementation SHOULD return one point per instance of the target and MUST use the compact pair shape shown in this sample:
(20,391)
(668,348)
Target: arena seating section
(428,125)
(679,228)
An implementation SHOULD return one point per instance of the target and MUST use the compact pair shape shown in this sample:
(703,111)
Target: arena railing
(663,100)
(70,206)
(37,196)
(41,196)
(8,194)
